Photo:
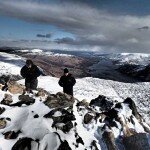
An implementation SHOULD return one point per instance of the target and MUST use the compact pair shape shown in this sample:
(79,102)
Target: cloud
(144,28)
(92,28)
(65,40)
(44,35)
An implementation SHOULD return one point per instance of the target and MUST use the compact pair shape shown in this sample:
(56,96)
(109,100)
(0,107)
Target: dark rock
(79,140)
(24,99)
(60,100)
(83,103)
(66,117)
(11,134)
(88,118)
(2,109)
(63,119)
(102,102)
(109,140)
(42,93)
(7,99)
(64,146)
(3,123)
(109,122)
(52,112)
(4,79)
(23,144)
(36,116)
(118,105)
(5,87)
(132,106)
(112,114)
(15,88)
(67,127)
(138,141)
(93,145)
(8,119)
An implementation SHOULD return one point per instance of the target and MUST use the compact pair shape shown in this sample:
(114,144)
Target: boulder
(109,140)
(23,144)
(1,85)
(11,134)
(64,146)
(137,141)
(65,117)
(67,127)
(2,109)
(60,100)
(94,145)
(3,123)
(24,99)
(7,99)
(83,103)
(4,79)
(132,106)
(41,93)
(103,102)
(88,118)
(15,88)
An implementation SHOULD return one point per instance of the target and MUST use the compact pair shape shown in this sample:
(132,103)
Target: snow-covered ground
(90,88)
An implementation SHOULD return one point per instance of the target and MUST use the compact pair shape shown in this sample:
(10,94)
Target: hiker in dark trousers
(67,81)
(30,72)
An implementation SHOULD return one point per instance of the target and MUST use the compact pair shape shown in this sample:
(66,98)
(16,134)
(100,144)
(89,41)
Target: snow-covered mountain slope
(88,88)
(132,58)
(10,63)
(125,67)
(34,121)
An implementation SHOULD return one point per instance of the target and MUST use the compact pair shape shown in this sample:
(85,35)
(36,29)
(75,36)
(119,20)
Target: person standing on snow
(67,81)
(30,72)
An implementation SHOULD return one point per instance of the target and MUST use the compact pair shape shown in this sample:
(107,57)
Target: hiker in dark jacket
(30,72)
(67,81)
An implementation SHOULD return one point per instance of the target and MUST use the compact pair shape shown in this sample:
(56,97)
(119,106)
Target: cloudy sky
(97,25)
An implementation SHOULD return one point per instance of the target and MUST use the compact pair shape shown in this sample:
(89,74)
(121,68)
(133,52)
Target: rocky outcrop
(11,134)
(60,100)
(7,99)
(15,88)
(137,141)
(2,109)
(88,118)
(109,140)
(132,106)
(41,93)
(64,146)
(61,115)
(102,102)
(57,116)
(24,144)
(3,123)
(24,99)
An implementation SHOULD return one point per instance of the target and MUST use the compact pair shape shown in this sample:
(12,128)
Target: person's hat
(29,62)
(66,70)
